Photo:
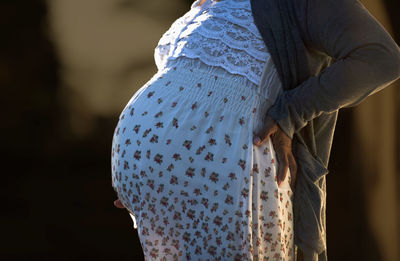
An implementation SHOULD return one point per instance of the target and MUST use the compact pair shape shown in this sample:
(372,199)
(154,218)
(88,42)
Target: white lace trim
(228,33)
(219,33)
(242,4)
(240,16)
(216,53)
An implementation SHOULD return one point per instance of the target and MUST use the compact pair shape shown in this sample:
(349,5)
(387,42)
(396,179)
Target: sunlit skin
(282,145)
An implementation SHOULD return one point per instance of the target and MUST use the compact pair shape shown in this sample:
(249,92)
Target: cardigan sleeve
(366,60)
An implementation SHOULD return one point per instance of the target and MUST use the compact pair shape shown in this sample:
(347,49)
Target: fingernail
(256,140)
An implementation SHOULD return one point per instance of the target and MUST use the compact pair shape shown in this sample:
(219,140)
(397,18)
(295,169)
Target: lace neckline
(219,33)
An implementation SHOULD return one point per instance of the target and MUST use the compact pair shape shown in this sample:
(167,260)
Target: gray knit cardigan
(329,54)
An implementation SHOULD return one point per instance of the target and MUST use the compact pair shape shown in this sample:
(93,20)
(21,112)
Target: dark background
(57,197)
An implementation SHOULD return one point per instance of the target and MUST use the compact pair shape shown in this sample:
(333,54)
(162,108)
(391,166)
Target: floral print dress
(184,166)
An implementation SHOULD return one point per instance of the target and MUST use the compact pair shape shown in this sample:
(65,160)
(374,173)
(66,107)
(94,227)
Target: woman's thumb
(264,134)
(261,137)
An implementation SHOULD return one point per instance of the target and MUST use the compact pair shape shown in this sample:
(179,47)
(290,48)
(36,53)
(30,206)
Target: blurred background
(67,69)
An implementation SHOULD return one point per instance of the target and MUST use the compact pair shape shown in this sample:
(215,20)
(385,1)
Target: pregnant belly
(180,129)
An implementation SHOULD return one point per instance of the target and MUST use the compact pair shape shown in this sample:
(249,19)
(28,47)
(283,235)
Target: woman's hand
(118,203)
(283,148)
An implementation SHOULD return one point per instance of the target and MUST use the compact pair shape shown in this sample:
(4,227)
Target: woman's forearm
(366,60)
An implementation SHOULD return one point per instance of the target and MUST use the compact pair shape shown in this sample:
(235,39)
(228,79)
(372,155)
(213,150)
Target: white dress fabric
(183,162)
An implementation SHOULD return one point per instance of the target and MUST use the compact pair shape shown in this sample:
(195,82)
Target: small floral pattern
(197,188)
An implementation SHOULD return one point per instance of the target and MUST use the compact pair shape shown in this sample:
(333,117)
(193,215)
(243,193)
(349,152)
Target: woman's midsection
(189,100)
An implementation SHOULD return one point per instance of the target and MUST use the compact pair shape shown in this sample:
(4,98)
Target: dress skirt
(184,166)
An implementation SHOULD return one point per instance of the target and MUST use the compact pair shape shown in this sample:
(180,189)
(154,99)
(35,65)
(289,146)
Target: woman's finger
(283,166)
(269,128)
(293,172)
(118,204)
